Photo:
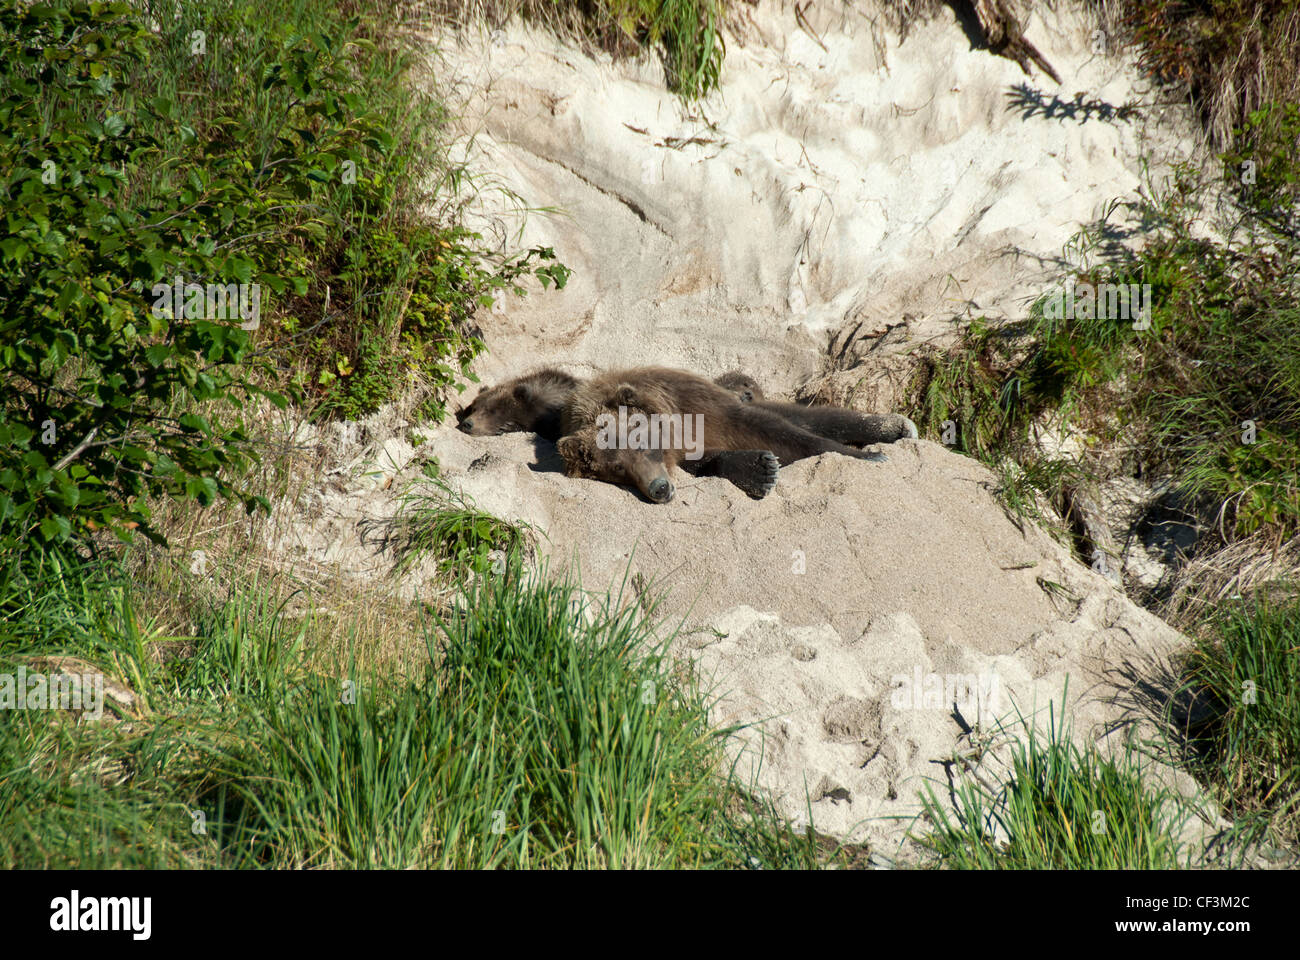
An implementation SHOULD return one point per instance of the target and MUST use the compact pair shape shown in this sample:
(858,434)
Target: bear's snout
(660,490)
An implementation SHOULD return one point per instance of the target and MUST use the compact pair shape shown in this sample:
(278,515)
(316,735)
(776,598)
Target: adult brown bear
(634,426)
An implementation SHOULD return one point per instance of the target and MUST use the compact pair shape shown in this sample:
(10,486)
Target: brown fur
(533,402)
(835,423)
(744,386)
(843,425)
(728,424)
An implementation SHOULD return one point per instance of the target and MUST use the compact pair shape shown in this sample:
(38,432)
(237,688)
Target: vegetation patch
(1058,808)
(1243,725)
(686,34)
(1203,385)
(543,727)
(206,203)
(434,519)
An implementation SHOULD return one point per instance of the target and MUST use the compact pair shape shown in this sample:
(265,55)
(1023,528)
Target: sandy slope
(820,193)
(841,616)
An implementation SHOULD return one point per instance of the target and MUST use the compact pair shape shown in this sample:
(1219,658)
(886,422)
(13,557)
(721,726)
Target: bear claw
(753,471)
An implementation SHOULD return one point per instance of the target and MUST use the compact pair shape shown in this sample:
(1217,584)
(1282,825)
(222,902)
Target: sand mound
(845,616)
(865,573)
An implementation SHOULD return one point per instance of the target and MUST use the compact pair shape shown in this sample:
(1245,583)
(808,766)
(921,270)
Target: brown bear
(534,402)
(835,423)
(633,426)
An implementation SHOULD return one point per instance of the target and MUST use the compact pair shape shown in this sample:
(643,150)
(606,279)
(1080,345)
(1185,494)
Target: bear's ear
(625,395)
(574,452)
(523,393)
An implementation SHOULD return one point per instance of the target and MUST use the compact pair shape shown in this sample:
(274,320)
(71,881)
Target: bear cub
(533,403)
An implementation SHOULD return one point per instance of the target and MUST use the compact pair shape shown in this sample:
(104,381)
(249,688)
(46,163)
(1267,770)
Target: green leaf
(55,528)
(191,421)
(13,248)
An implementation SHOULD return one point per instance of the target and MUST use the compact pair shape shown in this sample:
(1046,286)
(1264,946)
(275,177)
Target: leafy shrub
(102,386)
(225,144)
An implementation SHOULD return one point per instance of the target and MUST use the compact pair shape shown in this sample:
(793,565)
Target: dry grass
(1230,57)
(220,553)
(1212,578)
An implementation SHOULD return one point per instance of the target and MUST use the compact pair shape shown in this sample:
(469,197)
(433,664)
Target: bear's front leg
(753,471)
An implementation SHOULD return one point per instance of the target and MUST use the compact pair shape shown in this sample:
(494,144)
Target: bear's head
(525,404)
(501,409)
(745,387)
(590,454)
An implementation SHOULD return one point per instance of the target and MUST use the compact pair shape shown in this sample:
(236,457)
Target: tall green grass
(535,739)
(544,729)
(1060,808)
(1244,738)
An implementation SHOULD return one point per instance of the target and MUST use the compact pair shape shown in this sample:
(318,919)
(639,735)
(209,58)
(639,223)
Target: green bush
(103,387)
(151,176)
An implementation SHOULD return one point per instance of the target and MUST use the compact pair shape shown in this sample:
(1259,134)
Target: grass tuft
(1244,676)
(1060,808)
